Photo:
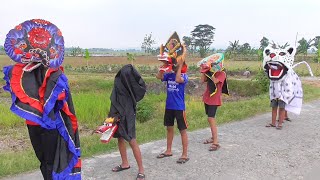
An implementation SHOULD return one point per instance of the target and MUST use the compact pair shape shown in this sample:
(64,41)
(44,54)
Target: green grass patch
(245,88)
(7,118)
(17,162)
(91,108)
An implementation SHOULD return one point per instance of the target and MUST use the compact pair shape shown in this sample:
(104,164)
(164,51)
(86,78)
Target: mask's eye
(267,52)
(282,53)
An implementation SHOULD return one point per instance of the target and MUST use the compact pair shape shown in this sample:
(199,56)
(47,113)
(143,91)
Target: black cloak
(129,88)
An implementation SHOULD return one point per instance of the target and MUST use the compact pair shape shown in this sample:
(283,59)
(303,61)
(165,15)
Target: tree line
(202,36)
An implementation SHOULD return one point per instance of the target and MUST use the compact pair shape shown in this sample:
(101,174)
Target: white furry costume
(284,82)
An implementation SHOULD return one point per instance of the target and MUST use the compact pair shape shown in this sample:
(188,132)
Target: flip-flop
(119,168)
(163,155)
(214,147)
(208,141)
(182,160)
(279,127)
(270,125)
(140,176)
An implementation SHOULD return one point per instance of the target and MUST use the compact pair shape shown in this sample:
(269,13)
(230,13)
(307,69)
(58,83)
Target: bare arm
(203,78)
(180,63)
(179,79)
(160,75)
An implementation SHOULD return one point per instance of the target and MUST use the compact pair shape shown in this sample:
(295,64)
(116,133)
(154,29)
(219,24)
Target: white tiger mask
(277,62)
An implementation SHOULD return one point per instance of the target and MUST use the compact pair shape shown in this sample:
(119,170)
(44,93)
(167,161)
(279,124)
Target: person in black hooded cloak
(129,88)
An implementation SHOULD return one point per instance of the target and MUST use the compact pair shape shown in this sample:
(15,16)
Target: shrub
(145,110)
(263,80)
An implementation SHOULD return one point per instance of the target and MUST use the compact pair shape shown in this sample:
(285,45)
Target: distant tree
(304,45)
(203,37)
(233,48)
(316,41)
(245,49)
(190,44)
(187,41)
(76,51)
(155,51)
(264,42)
(131,57)
(87,56)
(147,43)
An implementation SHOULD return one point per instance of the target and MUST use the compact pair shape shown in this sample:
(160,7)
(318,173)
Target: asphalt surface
(248,151)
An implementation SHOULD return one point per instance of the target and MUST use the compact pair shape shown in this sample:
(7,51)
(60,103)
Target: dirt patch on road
(315,82)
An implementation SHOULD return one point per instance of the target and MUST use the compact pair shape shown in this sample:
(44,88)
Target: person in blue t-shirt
(175,106)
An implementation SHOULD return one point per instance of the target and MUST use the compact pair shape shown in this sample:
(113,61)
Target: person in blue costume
(176,80)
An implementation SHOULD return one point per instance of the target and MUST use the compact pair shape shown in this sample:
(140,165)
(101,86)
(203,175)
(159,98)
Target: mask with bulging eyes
(277,62)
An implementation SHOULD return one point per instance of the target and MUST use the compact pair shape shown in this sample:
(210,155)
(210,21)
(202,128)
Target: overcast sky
(124,23)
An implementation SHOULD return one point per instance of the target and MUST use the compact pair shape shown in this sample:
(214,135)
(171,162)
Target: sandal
(214,147)
(163,155)
(287,119)
(119,168)
(140,176)
(208,141)
(279,127)
(270,125)
(182,160)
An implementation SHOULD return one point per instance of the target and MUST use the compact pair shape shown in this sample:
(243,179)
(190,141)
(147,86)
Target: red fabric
(216,99)
(32,123)
(18,90)
(62,96)
(72,117)
(79,164)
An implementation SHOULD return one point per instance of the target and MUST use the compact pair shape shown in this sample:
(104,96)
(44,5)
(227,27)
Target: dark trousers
(44,143)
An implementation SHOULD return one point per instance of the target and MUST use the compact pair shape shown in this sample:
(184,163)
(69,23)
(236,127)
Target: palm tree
(304,45)
(233,47)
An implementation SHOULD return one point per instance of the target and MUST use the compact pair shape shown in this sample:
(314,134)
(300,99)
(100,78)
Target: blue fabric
(46,122)
(14,108)
(62,85)
(175,91)
(67,172)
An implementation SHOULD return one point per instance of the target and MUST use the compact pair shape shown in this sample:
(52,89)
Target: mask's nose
(272,55)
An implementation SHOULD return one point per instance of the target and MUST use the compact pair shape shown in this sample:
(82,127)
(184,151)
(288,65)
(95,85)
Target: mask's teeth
(273,67)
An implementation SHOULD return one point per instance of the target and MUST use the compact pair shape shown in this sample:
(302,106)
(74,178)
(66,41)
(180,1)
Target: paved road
(249,151)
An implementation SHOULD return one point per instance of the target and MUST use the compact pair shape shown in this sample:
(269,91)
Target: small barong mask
(277,62)
(107,130)
(35,42)
(170,53)
(213,63)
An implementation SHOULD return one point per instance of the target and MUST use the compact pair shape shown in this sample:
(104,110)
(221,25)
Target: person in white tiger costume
(285,86)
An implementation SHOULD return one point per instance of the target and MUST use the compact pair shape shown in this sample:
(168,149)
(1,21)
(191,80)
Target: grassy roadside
(22,161)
